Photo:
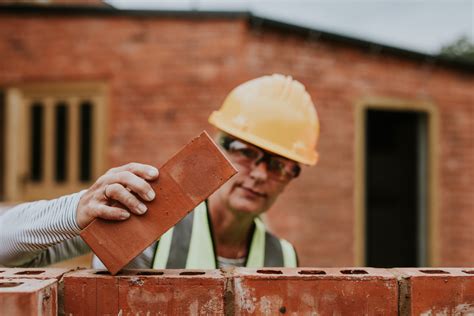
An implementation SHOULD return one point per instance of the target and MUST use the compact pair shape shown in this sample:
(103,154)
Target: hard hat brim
(218,122)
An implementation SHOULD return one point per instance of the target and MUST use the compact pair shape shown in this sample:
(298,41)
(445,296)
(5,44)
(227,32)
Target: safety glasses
(278,168)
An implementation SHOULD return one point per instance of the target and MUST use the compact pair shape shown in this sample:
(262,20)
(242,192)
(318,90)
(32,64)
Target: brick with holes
(40,274)
(33,273)
(308,291)
(144,292)
(186,180)
(436,291)
(28,297)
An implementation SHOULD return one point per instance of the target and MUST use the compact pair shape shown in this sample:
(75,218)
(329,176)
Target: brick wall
(167,74)
(320,291)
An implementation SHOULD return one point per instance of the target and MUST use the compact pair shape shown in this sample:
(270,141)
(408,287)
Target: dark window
(85,149)
(395,182)
(36,158)
(61,133)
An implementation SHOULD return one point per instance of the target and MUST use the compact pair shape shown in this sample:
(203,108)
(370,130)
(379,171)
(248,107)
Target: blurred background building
(85,86)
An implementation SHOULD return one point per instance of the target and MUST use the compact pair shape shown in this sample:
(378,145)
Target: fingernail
(125,215)
(150,195)
(141,208)
(153,172)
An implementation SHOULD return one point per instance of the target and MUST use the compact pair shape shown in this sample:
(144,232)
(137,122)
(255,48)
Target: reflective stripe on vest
(189,245)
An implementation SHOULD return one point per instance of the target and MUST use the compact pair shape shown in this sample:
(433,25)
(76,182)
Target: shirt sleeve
(41,233)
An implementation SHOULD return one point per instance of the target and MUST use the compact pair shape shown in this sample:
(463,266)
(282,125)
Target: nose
(259,172)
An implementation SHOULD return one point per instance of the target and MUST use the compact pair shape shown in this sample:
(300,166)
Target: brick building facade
(164,73)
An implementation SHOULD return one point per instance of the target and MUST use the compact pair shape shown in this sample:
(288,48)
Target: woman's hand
(110,197)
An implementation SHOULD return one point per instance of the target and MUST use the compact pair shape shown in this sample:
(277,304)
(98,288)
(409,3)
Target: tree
(462,48)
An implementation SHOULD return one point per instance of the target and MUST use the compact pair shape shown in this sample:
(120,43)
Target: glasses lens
(243,153)
(281,168)
(278,167)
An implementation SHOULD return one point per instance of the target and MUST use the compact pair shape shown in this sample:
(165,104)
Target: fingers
(144,171)
(120,194)
(110,197)
(111,213)
(132,182)
(89,209)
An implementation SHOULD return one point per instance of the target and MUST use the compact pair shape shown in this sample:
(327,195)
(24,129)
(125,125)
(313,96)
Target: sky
(418,25)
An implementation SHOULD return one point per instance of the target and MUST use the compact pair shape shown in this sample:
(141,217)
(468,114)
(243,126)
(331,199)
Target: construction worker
(268,127)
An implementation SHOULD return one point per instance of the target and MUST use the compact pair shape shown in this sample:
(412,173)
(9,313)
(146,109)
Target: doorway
(396,184)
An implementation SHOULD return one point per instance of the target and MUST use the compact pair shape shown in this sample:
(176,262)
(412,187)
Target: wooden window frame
(18,99)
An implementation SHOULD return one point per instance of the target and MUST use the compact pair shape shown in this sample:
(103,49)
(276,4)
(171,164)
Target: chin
(246,206)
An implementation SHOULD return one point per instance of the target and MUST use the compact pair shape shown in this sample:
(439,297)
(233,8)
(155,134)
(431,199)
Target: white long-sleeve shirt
(44,232)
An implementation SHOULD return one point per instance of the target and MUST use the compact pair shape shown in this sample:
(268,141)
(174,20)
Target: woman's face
(254,188)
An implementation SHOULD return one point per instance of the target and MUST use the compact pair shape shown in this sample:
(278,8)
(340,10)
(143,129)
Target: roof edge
(254,20)
(458,64)
(88,10)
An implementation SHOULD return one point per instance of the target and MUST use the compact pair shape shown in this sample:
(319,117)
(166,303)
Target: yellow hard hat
(274,113)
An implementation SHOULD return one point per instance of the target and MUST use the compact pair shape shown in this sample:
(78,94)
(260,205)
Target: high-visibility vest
(189,245)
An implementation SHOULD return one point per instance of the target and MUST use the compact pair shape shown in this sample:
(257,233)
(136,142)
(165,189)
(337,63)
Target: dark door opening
(395,180)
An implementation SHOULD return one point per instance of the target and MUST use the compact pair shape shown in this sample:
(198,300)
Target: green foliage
(462,48)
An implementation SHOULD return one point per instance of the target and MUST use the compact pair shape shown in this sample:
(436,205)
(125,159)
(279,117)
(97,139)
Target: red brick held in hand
(185,180)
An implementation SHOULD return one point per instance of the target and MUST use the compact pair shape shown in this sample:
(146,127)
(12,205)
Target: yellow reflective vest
(189,244)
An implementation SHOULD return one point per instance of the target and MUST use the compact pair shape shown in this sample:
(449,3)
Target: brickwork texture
(242,291)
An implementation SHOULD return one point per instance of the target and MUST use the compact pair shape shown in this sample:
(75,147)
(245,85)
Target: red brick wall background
(318,210)
(166,75)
